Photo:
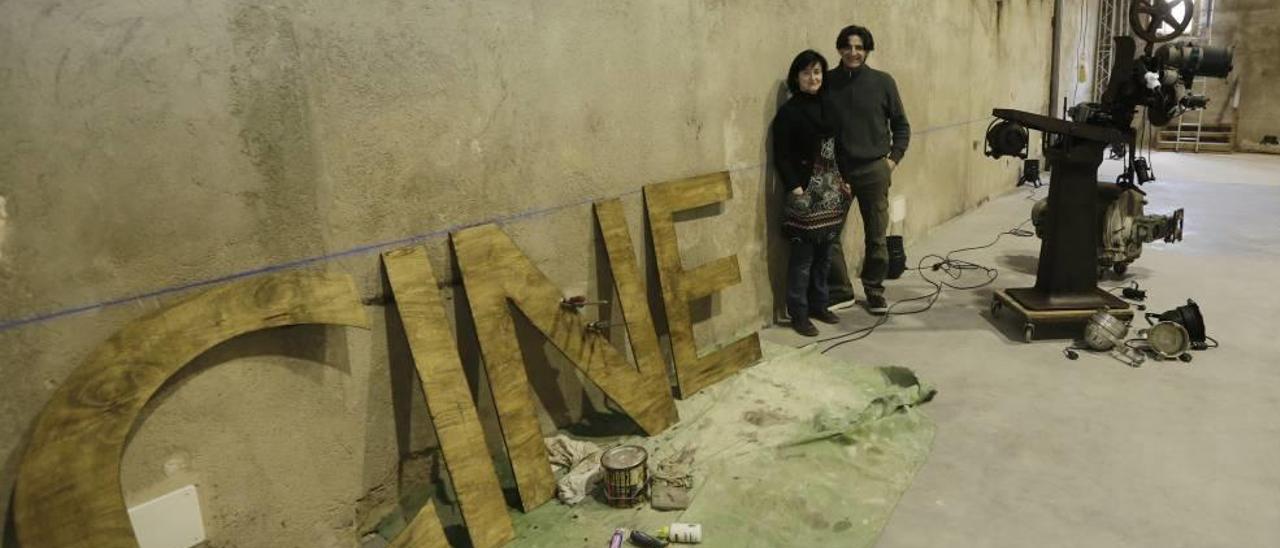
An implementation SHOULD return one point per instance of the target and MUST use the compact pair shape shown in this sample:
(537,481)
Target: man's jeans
(870,183)
(807,270)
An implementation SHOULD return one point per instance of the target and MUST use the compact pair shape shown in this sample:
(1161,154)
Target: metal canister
(626,475)
(1104,331)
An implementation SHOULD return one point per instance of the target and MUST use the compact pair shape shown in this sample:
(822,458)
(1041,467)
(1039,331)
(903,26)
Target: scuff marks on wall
(4,221)
(271,100)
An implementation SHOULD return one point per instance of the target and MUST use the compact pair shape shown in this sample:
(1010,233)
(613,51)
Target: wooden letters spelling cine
(68,491)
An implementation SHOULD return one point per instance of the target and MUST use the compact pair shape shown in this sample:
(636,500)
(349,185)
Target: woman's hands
(797,191)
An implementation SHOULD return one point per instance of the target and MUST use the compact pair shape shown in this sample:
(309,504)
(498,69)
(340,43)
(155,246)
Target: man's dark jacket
(865,107)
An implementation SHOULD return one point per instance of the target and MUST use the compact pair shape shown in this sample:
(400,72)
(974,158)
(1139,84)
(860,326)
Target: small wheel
(1028,332)
(1120,268)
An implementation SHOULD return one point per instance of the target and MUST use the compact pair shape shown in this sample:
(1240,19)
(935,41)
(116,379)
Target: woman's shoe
(804,327)
(825,316)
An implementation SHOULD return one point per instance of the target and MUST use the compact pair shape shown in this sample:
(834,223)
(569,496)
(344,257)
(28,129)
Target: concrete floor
(1035,450)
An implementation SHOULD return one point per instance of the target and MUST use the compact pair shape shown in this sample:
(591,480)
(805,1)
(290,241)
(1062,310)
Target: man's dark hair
(803,61)
(868,41)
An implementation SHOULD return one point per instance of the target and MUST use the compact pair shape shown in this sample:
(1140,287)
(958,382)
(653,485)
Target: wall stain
(270,98)
(57,76)
(4,220)
(129,33)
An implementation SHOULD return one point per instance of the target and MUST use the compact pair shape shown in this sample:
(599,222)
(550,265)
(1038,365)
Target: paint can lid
(623,457)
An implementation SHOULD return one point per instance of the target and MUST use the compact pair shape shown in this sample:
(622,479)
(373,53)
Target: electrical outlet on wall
(171,520)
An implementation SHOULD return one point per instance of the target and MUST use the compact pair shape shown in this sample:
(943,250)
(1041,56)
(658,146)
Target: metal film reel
(1148,17)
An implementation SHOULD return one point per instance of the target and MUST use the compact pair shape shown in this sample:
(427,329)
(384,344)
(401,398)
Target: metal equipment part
(1166,340)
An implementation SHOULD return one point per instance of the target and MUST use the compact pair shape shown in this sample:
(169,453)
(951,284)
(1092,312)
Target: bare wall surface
(152,145)
(1077,52)
(1248,97)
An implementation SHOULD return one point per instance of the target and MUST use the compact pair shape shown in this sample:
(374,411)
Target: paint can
(626,475)
(684,533)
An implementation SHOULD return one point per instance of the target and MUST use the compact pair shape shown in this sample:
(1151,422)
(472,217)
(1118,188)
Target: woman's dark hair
(803,61)
(868,41)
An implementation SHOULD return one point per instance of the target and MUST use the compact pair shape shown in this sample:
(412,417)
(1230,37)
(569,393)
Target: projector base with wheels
(1035,309)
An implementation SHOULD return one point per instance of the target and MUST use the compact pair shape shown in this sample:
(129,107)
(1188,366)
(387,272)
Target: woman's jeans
(808,264)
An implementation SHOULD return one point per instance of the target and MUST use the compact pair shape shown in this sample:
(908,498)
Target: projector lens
(1168,339)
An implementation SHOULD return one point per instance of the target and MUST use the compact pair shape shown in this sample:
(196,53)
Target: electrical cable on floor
(954,268)
(1131,292)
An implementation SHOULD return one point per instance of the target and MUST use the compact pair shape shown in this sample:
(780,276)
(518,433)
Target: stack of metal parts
(1171,335)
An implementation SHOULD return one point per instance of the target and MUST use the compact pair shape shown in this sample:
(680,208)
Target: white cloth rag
(578,461)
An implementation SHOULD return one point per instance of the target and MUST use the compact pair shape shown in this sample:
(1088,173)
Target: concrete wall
(151,145)
(1077,52)
(1249,96)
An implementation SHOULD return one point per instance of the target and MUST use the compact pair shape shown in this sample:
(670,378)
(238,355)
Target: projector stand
(1066,287)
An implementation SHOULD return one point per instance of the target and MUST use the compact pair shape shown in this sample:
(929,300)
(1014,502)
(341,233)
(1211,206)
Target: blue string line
(360,250)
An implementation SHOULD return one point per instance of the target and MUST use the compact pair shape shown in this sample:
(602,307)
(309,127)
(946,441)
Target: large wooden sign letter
(496,272)
(680,286)
(629,284)
(448,398)
(68,491)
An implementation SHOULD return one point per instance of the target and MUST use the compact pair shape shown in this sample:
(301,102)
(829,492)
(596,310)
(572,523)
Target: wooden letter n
(496,273)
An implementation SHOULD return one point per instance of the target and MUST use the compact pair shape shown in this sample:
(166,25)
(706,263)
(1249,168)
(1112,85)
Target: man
(872,134)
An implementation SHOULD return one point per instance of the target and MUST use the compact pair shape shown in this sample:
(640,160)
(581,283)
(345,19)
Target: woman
(815,195)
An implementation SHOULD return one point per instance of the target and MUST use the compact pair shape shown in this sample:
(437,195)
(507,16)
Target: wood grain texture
(68,492)
(457,425)
(496,272)
(424,531)
(504,367)
(709,278)
(680,286)
(642,335)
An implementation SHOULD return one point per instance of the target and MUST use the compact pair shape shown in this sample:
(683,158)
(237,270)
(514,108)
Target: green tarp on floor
(799,450)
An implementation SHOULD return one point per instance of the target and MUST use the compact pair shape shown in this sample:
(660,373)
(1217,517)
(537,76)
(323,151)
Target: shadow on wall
(306,342)
(10,539)
(8,531)
(657,307)
(704,308)
(775,245)
(595,420)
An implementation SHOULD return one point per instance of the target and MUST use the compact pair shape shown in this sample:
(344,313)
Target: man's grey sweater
(863,104)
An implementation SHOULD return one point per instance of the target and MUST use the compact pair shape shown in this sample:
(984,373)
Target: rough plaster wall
(153,144)
(1250,26)
(1077,53)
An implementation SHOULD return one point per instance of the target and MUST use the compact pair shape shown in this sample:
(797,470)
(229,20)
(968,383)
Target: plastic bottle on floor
(687,533)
